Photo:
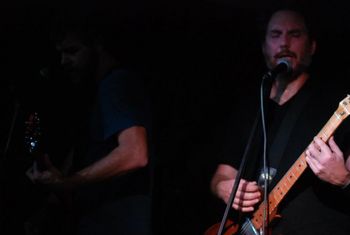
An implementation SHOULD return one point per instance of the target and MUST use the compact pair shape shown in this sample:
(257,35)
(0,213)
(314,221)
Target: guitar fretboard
(293,174)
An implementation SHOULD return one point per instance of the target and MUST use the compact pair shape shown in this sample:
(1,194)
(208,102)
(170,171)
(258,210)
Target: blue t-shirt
(121,102)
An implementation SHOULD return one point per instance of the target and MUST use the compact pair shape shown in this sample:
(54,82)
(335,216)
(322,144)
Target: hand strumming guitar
(51,175)
(248,192)
(54,178)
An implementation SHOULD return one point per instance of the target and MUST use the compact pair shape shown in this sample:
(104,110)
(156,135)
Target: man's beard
(283,80)
(302,67)
(80,77)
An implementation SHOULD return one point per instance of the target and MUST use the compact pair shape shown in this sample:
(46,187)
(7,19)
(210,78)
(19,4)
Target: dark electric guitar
(32,132)
(253,226)
(33,139)
(55,204)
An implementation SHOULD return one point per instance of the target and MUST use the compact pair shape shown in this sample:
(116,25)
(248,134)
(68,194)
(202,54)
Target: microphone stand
(267,77)
(16,108)
(238,176)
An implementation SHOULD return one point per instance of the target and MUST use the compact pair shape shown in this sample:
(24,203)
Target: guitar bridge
(248,228)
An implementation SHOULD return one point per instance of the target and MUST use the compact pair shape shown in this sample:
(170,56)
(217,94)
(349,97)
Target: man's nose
(285,42)
(65,60)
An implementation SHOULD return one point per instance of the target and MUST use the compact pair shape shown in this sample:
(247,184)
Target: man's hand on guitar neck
(248,192)
(326,160)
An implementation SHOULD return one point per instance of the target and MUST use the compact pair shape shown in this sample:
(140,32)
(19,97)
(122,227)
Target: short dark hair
(304,11)
(72,21)
(116,27)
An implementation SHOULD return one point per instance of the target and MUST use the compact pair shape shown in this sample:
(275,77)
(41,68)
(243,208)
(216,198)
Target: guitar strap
(281,138)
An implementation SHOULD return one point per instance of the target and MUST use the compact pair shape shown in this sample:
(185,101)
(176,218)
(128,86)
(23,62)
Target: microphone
(283,66)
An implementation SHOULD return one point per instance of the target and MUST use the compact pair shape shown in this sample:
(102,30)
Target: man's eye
(71,50)
(274,35)
(296,34)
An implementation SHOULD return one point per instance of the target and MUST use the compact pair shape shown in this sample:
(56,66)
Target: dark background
(199,58)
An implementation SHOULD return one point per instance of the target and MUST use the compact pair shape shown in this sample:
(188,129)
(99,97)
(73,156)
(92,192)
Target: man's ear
(263,49)
(313,47)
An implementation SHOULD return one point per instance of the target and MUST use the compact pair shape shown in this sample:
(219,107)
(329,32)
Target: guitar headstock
(32,135)
(344,108)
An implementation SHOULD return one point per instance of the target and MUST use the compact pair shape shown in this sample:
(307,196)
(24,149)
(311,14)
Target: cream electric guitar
(255,224)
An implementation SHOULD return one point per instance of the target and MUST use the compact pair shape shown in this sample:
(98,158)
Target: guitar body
(249,227)
(230,229)
(55,210)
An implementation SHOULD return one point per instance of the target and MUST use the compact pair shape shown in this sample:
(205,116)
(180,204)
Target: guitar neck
(293,174)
